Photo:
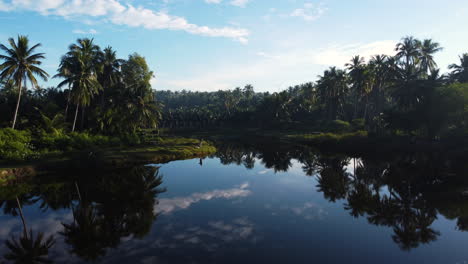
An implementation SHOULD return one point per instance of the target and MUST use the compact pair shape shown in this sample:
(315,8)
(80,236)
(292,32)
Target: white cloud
(340,55)
(5,7)
(115,12)
(309,12)
(239,3)
(213,1)
(86,32)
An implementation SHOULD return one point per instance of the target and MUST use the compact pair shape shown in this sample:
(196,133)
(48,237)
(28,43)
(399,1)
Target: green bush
(358,124)
(72,141)
(338,126)
(131,139)
(15,144)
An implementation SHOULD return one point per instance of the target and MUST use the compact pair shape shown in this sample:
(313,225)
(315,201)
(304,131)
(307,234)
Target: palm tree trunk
(78,191)
(76,115)
(82,117)
(17,103)
(68,103)
(22,217)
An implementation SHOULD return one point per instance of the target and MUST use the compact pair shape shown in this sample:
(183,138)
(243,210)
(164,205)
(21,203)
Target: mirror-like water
(244,206)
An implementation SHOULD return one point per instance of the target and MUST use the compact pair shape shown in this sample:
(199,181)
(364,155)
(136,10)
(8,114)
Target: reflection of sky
(167,205)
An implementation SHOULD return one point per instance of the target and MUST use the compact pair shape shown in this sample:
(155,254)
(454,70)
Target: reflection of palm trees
(29,249)
(112,206)
(84,233)
(333,179)
(404,208)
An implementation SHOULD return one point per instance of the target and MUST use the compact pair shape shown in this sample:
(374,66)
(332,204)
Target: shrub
(358,124)
(338,126)
(15,144)
(72,141)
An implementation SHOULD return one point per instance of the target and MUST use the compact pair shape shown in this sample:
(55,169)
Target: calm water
(246,205)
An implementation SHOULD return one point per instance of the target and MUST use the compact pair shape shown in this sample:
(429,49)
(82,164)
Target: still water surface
(243,206)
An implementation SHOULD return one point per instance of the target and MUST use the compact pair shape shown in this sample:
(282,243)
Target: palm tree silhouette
(21,65)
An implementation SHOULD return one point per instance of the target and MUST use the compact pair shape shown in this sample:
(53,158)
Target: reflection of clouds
(310,211)
(353,164)
(186,242)
(8,226)
(167,205)
(49,225)
(210,236)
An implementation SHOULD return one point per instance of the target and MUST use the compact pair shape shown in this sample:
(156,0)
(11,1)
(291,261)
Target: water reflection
(101,208)
(106,207)
(404,192)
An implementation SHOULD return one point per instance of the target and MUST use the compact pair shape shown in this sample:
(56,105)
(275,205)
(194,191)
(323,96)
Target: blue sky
(221,44)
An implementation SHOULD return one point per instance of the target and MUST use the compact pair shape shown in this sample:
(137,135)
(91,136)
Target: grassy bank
(165,150)
(162,150)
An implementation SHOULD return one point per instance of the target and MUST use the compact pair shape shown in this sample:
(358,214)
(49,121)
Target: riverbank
(163,150)
(354,142)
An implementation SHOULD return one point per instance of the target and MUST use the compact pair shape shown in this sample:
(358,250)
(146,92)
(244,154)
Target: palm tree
(408,52)
(331,88)
(79,69)
(460,71)
(110,69)
(427,49)
(357,68)
(21,65)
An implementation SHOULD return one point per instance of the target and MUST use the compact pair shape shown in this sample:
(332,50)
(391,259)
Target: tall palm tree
(110,69)
(79,68)
(408,52)
(460,71)
(21,64)
(427,49)
(357,68)
(331,88)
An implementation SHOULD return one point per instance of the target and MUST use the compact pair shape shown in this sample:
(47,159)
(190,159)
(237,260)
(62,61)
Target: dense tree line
(404,93)
(97,90)
(401,94)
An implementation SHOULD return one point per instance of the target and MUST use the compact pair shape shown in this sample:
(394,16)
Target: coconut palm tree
(427,49)
(357,70)
(460,71)
(408,52)
(110,69)
(79,70)
(331,88)
(21,64)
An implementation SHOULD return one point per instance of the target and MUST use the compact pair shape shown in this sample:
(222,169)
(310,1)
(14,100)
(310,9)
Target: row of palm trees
(384,86)
(90,76)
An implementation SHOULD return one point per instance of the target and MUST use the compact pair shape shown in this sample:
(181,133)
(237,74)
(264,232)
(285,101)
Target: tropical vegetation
(102,98)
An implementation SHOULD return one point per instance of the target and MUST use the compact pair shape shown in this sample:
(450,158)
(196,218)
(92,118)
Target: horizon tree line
(404,93)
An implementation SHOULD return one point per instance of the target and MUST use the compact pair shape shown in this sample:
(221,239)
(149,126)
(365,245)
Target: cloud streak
(168,205)
(309,12)
(115,12)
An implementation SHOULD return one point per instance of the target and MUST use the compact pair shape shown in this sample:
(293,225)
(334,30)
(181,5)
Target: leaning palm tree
(21,65)
(460,71)
(427,49)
